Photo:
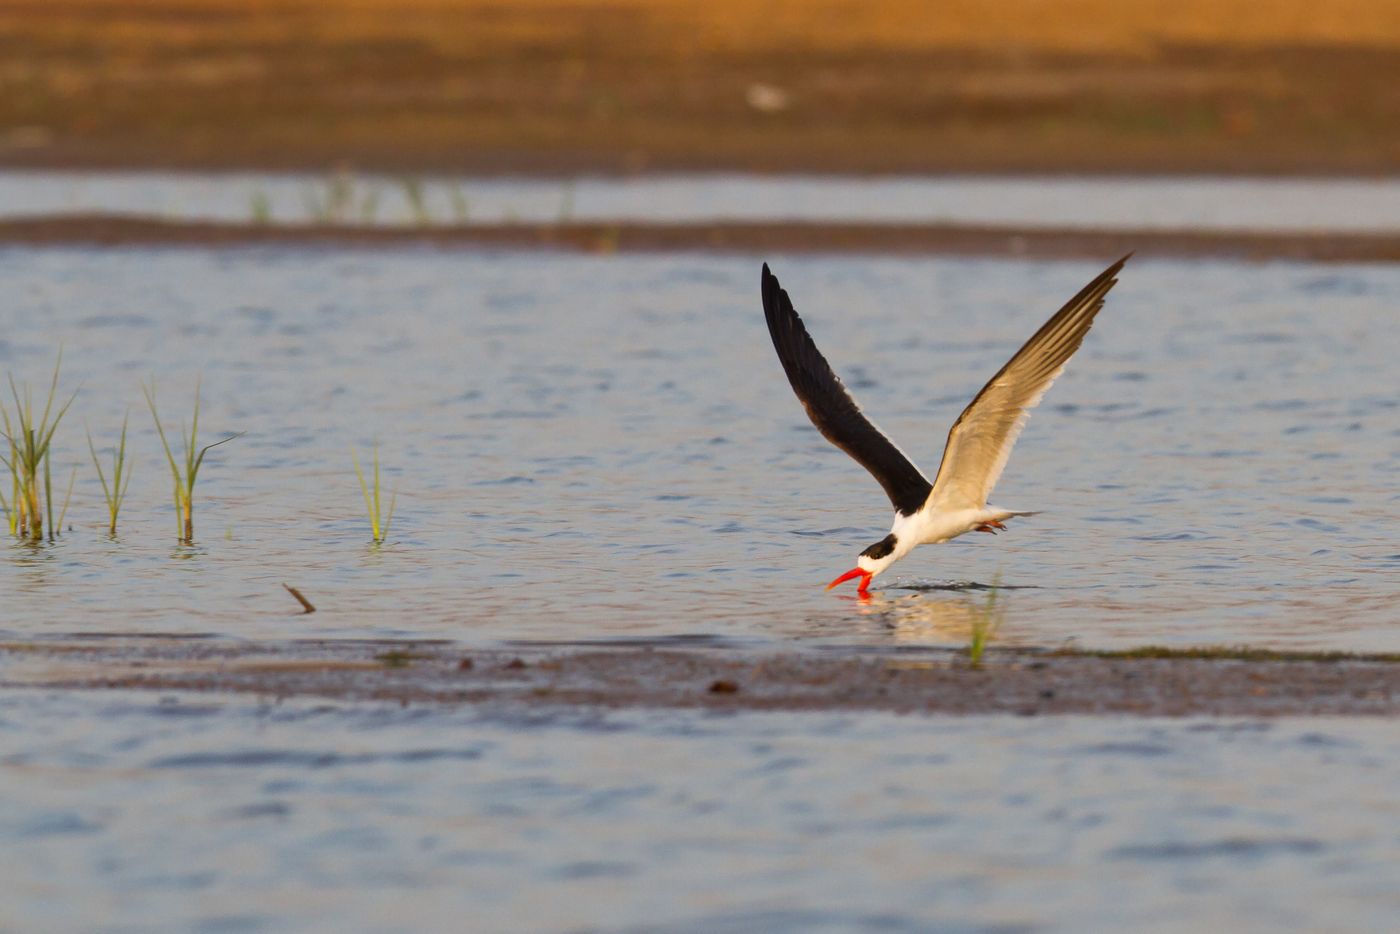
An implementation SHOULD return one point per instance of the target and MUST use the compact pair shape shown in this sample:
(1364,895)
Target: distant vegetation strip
(725,237)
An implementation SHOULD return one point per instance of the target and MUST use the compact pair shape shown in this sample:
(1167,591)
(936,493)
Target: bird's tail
(1000,515)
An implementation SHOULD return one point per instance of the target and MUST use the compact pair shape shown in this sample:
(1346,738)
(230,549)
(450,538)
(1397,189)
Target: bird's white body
(932,526)
(929,526)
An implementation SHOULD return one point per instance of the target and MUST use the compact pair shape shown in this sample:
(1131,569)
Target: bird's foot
(991,526)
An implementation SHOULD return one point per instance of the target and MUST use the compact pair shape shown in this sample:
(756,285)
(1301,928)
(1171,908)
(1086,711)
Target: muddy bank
(1028,683)
(565,86)
(731,237)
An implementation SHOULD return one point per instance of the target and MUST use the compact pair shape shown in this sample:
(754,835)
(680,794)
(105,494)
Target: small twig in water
(305,603)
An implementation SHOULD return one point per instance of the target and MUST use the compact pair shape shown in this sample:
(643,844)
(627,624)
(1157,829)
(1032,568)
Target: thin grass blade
(369,502)
(388,520)
(67,498)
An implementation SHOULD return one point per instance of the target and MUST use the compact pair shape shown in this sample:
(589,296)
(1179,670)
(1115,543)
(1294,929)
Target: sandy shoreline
(724,237)
(931,681)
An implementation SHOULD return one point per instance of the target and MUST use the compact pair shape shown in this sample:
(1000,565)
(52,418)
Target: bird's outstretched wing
(983,436)
(830,406)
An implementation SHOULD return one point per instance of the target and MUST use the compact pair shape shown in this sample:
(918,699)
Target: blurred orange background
(624,85)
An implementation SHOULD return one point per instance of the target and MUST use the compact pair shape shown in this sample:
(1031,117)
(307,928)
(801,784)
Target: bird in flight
(979,442)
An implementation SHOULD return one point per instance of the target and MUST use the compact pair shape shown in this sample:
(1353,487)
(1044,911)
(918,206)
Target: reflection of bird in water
(941,619)
(978,444)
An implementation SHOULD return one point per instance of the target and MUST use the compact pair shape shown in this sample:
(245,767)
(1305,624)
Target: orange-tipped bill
(864,575)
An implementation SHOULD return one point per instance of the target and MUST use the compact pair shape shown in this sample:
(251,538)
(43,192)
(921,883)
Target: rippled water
(229,815)
(1196,203)
(604,448)
(595,447)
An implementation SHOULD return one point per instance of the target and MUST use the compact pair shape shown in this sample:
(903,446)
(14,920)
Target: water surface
(191,813)
(604,447)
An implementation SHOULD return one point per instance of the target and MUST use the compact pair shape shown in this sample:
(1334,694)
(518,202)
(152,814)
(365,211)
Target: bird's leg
(991,525)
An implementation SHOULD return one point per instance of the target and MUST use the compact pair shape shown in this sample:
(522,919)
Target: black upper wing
(830,406)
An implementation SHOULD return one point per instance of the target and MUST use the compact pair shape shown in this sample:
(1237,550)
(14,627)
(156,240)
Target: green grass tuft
(566,203)
(416,197)
(261,208)
(29,444)
(986,620)
(378,529)
(461,205)
(369,205)
(121,477)
(332,203)
(184,480)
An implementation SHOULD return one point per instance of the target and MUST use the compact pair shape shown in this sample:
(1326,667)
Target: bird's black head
(872,561)
(881,549)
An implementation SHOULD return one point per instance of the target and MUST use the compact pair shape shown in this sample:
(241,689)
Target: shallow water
(604,447)
(1201,203)
(132,812)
